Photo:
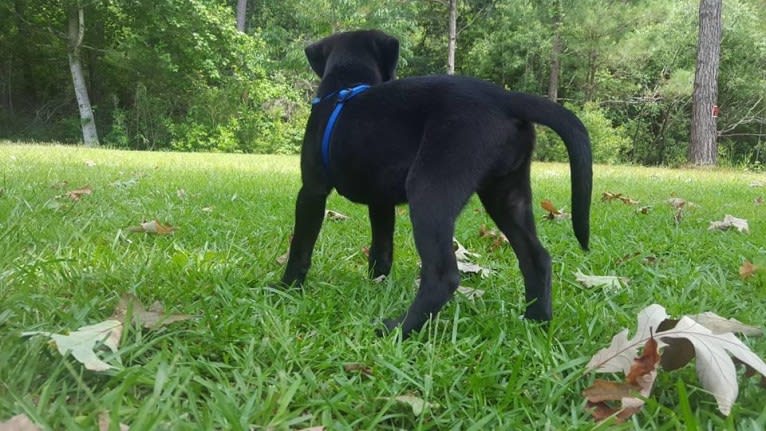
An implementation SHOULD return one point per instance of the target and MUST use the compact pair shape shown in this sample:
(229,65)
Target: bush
(608,143)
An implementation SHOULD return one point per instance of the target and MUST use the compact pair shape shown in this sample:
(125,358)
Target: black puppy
(432,142)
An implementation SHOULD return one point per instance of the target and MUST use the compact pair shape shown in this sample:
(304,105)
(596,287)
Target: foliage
(177,75)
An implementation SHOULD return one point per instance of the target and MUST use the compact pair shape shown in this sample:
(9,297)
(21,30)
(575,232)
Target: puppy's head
(367,56)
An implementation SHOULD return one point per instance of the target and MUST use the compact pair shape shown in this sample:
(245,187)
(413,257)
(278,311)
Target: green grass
(260,358)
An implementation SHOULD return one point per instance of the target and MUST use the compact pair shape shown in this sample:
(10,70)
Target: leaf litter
(707,337)
(84,341)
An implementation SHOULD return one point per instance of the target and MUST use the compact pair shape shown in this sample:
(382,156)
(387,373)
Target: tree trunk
(452,37)
(241,15)
(553,82)
(703,149)
(76,32)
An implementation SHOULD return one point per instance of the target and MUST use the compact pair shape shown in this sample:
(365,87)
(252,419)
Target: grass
(260,358)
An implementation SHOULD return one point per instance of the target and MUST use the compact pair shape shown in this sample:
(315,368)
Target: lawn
(255,357)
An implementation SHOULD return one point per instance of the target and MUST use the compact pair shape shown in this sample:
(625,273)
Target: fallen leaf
(464,264)
(644,210)
(357,367)
(76,194)
(181,193)
(153,227)
(283,259)
(470,292)
(379,279)
(82,342)
(20,422)
(715,368)
(758,200)
(152,318)
(553,212)
(677,203)
(334,215)
(60,185)
(207,209)
(417,404)
(498,238)
(680,341)
(605,281)
(719,325)
(366,250)
(90,163)
(748,269)
(608,197)
(105,423)
(730,222)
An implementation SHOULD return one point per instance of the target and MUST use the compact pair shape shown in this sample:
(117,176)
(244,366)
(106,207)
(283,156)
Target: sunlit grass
(263,358)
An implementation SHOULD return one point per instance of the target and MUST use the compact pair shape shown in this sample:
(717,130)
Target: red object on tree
(716,111)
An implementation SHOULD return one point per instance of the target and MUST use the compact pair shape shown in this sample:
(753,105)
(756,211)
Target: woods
(204,75)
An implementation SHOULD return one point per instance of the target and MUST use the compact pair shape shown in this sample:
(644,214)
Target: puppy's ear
(388,51)
(317,56)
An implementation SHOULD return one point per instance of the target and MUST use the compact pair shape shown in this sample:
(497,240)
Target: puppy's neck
(341,77)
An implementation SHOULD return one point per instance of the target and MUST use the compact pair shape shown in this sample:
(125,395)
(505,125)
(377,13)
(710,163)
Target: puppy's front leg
(309,214)
(382,248)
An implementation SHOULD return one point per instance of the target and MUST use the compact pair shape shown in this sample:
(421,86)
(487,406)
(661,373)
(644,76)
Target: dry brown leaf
(470,292)
(153,227)
(605,281)
(680,341)
(719,325)
(498,238)
(358,368)
(729,222)
(758,200)
(334,215)
(283,258)
(748,269)
(609,197)
(464,264)
(151,318)
(644,210)
(105,423)
(76,194)
(20,422)
(553,212)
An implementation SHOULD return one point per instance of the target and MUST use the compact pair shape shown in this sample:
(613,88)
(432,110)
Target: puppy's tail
(571,130)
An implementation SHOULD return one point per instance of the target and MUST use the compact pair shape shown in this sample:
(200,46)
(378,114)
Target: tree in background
(703,148)
(76,33)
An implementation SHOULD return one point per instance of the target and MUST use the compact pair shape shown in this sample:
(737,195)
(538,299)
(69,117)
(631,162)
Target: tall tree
(703,147)
(553,82)
(452,45)
(241,15)
(75,35)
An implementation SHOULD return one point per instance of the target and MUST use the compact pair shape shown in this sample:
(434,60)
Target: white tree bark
(76,33)
(241,15)
(452,37)
(703,148)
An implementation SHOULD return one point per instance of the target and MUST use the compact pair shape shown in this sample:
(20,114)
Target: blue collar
(344,95)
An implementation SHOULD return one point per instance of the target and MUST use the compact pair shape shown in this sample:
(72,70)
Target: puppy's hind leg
(382,247)
(433,214)
(509,202)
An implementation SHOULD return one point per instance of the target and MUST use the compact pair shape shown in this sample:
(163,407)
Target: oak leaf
(76,194)
(553,212)
(335,216)
(20,422)
(464,263)
(729,222)
(83,342)
(748,269)
(153,227)
(605,281)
